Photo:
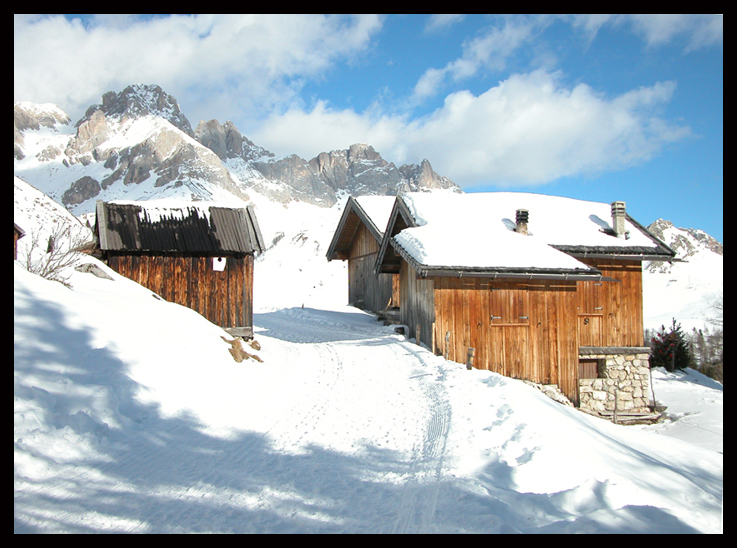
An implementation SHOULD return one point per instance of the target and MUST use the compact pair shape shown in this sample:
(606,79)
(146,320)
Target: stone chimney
(522,217)
(618,218)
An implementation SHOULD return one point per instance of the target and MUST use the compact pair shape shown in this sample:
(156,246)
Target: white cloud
(489,51)
(528,130)
(323,129)
(699,30)
(264,57)
(440,21)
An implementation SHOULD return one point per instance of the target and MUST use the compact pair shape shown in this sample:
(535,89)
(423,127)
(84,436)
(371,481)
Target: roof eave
(351,205)
(531,273)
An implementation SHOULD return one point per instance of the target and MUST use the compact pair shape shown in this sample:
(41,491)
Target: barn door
(590,313)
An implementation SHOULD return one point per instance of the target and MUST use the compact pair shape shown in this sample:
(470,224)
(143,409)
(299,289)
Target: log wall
(223,297)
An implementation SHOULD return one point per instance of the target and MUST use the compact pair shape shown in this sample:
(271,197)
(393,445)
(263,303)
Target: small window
(218,264)
(590,368)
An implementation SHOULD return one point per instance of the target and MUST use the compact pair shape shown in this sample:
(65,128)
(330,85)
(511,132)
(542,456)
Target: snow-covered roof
(378,209)
(476,231)
(372,211)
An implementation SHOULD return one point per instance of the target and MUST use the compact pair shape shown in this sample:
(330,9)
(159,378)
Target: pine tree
(669,349)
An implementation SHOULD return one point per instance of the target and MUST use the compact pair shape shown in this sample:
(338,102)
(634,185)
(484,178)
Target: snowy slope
(686,290)
(130,415)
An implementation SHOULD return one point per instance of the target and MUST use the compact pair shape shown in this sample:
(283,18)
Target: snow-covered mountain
(137,144)
(688,289)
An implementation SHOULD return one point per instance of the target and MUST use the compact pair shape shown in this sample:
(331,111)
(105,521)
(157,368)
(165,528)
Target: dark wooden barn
(356,240)
(529,282)
(198,255)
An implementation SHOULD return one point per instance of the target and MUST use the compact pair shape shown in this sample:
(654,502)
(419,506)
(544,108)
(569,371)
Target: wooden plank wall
(366,290)
(223,297)
(417,303)
(524,330)
(611,313)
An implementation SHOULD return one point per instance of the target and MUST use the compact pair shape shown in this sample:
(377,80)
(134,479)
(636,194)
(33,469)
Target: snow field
(131,416)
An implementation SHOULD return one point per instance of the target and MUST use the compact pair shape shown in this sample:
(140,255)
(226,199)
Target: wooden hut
(198,255)
(527,281)
(357,240)
(18,233)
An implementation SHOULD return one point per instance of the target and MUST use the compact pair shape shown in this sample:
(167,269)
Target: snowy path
(417,442)
(314,460)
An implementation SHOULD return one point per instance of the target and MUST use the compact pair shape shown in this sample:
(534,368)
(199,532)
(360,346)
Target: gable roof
(372,211)
(473,234)
(197,227)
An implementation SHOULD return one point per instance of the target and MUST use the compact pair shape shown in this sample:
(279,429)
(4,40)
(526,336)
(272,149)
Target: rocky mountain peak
(686,242)
(361,151)
(139,100)
(227,142)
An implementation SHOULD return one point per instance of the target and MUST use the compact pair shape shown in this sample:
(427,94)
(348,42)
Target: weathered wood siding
(417,303)
(610,313)
(365,290)
(223,297)
(524,330)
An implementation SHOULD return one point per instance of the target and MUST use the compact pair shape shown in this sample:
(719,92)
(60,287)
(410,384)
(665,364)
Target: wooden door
(590,330)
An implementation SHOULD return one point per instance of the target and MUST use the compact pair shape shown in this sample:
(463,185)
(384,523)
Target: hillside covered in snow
(130,415)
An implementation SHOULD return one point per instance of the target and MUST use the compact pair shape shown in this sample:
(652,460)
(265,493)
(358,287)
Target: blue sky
(596,107)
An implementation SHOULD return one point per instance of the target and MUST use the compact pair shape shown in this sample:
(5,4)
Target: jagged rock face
(227,142)
(686,242)
(82,189)
(356,171)
(90,134)
(214,156)
(295,172)
(361,169)
(28,116)
(423,176)
(140,100)
(167,154)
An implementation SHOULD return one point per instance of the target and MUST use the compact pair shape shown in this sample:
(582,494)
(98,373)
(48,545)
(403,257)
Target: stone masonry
(623,371)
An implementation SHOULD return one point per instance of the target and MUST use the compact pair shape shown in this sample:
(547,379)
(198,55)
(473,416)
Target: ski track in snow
(416,502)
(417,476)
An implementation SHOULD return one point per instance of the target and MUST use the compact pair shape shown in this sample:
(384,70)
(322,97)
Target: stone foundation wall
(623,371)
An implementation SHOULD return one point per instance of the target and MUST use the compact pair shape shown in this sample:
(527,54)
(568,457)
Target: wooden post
(417,334)
(616,391)
(469,358)
(432,344)
(447,345)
